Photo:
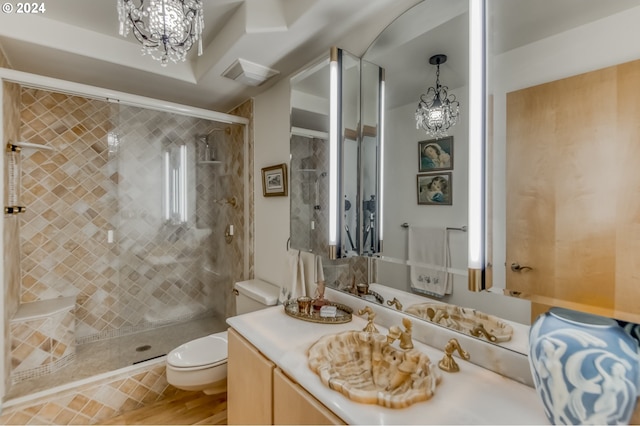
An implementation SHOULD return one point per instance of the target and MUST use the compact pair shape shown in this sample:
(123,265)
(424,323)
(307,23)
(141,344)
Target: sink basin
(365,368)
(466,320)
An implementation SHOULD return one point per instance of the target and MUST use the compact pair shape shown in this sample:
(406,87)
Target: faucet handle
(370,328)
(448,363)
(395,302)
(405,336)
(480,330)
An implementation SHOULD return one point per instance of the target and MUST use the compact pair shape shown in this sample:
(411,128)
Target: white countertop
(472,396)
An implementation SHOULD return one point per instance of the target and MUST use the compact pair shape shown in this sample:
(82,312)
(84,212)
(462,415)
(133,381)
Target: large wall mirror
(563,178)
(541,56)
(412,224)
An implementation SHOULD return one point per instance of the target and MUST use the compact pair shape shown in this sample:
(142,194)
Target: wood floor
(186,408)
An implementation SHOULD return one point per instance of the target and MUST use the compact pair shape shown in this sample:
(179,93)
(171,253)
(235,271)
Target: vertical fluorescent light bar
(182,191)
(333,152)
(381,137)
(476,142)
(166,204)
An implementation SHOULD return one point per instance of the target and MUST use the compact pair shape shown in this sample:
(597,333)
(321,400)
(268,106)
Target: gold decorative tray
(343,314)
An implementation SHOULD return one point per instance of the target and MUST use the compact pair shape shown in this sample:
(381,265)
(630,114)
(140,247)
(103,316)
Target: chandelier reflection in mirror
(166,28)
(438,110)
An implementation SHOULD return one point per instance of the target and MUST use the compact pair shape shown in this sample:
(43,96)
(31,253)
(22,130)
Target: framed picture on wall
(435,154)
(435,189)
(274,180)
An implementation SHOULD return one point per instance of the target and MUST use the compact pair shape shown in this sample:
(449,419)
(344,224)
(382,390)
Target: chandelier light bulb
(438,110)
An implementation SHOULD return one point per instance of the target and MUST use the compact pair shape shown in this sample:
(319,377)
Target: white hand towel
(429,261)
(294,286)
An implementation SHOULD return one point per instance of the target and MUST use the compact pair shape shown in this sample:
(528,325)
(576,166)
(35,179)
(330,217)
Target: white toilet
(201,364)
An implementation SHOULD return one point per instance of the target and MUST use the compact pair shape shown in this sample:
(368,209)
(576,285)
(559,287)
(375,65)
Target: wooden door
(573,190)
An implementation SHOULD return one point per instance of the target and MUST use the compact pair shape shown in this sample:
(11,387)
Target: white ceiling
(78,40)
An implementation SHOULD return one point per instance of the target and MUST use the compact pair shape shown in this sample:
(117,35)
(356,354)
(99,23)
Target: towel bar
(462,228)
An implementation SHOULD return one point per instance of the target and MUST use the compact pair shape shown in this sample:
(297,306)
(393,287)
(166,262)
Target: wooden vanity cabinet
(260,393)
(292,405)
(249,383)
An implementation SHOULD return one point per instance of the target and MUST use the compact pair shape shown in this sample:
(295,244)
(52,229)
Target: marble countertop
(474,395)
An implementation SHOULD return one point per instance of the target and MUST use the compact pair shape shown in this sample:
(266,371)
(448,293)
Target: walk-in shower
(124,222)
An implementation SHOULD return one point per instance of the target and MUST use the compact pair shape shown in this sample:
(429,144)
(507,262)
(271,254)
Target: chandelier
(166,28)
(438,110)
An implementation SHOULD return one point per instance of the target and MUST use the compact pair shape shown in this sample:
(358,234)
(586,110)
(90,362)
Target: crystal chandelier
(166,28)
(438,110)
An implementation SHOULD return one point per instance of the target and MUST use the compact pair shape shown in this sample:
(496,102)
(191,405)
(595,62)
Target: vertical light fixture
(381,156)
(167,29)
(334,136)
(182,189)
(477,136)
(166,193)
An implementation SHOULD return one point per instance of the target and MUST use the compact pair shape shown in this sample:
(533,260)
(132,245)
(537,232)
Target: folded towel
(294,286)
(429,260)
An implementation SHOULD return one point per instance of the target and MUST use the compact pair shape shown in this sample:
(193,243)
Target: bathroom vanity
(269,382)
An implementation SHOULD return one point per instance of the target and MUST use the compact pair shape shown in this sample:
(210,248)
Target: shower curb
(92,400)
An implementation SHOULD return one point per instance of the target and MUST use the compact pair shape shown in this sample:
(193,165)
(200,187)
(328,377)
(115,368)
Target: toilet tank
(252,295)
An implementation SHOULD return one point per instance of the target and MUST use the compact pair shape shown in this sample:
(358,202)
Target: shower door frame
(71,88)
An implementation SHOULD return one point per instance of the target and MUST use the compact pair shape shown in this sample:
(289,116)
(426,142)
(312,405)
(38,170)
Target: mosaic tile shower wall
(309,191)
(106,176)
(246,110)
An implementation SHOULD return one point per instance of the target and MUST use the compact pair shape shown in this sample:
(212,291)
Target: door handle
(515,267)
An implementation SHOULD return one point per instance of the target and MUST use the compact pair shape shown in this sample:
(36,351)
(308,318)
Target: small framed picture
(435,154)
(435,189)
(274,181)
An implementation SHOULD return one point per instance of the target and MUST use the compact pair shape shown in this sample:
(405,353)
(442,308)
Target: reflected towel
(294,286)
(319,273)
(429,260)
(319,270)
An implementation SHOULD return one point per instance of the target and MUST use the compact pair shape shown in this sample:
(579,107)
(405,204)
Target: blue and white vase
(586,369)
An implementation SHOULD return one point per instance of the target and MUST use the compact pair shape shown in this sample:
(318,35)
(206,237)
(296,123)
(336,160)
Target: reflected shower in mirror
(356,165)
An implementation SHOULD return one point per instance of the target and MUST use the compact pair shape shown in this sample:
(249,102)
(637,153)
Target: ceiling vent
(249,73)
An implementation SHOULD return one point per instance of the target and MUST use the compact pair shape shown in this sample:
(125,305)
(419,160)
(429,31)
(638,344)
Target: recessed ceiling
(78,40)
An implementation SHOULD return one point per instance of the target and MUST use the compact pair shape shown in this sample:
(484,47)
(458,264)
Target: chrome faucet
(395,302)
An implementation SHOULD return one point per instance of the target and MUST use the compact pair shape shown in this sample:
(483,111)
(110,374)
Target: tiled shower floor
(111,354)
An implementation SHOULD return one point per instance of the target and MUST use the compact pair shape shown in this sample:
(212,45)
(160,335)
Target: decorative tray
(343,314)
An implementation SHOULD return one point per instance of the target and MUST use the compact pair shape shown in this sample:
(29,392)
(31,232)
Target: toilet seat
(205,352)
